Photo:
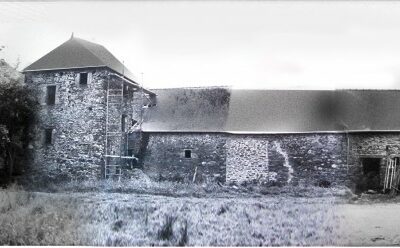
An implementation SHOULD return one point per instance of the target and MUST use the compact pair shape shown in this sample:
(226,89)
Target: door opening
(371,173)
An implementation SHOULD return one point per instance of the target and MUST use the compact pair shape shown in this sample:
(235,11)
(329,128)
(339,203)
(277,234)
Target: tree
(18,106)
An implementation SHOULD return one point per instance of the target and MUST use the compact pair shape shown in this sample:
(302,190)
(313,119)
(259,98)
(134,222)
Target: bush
(18,108)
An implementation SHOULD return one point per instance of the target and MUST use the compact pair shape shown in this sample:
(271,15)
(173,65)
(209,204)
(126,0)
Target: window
(51,95)
(83,78)
(126,90)
(188,153)
(123,120)
(48,136)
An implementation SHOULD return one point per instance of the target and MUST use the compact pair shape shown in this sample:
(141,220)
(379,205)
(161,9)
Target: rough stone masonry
(283,159)
(76,123)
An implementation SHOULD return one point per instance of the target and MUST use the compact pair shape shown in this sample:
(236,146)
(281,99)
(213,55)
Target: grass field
(140,219)
(226,218)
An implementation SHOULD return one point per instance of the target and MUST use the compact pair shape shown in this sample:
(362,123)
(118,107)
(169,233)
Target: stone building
(89,101)
(319,137)
(97,121)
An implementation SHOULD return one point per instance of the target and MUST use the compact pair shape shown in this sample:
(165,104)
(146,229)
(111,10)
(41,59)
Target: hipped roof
(79,53)
(273,111)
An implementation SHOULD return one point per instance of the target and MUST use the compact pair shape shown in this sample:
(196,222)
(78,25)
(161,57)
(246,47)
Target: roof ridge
(79,40)
(124,70)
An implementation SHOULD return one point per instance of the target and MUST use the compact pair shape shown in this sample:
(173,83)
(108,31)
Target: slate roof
(79,53)
(188,109)
(273,111)
(368,110)
(277,111)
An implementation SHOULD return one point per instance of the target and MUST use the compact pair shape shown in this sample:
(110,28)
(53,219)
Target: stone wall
(78,119)
(247,159)
(372,145)
(296,159)
(288,159)
(165,156)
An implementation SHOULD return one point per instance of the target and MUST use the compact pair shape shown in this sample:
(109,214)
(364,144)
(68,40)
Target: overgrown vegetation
(18,106)
(115,219)
(144,185)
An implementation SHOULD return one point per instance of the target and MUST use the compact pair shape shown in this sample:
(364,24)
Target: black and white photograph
(199,123)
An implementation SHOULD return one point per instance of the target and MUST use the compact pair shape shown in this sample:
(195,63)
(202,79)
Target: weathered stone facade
(278,159)
(288,158)
(372,145)
(165,156)
(247,159)
(78,122)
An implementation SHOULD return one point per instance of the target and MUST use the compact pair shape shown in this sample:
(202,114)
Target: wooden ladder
(113,131)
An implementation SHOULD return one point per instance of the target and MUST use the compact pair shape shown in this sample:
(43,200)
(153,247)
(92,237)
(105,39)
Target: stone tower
(89,102)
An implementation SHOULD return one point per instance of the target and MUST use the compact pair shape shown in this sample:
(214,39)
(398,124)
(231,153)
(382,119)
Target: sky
(255,44)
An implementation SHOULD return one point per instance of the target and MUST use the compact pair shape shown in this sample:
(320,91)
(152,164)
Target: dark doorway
(371,172)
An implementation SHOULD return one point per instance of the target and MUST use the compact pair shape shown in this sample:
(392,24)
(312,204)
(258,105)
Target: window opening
(48,136)
(188,153)
(123,120)
(83,78)
(51,95)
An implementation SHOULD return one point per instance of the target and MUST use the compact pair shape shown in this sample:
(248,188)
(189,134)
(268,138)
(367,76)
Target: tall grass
(175,189)
(115,219)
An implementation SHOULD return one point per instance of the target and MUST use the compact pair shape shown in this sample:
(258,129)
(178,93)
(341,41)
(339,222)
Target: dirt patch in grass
(369,224)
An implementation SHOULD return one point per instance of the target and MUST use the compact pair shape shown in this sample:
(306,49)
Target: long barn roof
(273,111)
(79,53)
(183,109)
